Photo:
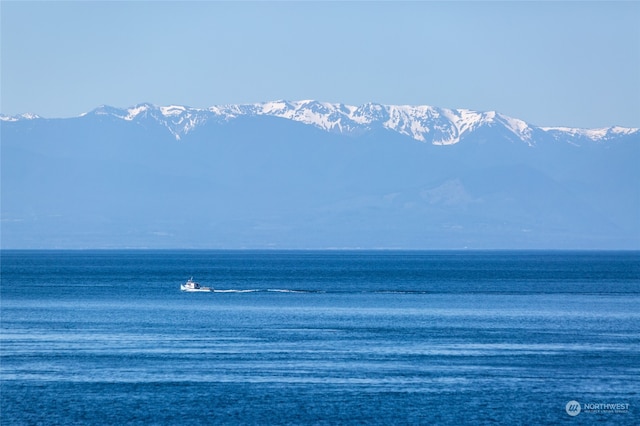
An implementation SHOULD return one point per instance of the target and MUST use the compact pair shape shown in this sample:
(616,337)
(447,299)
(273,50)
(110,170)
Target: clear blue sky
(549,63)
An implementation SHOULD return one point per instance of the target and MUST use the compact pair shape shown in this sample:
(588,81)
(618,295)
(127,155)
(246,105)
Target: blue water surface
(318,337)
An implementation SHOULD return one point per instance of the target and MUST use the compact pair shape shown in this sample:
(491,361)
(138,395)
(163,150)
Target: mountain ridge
(424,123)
(304,174)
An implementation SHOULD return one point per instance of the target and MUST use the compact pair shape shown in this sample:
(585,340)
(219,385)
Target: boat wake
(268,290)
(300,291)
(192,286)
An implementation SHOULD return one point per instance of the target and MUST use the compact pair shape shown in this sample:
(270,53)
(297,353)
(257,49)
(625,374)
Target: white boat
(192,286)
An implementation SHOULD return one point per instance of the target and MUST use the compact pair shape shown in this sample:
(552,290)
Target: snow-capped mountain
(25,116)
(309,174)
(437,126)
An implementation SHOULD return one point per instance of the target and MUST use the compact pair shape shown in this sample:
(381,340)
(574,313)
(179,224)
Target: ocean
(320,337)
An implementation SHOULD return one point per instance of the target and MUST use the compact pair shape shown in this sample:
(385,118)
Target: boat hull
(196,290)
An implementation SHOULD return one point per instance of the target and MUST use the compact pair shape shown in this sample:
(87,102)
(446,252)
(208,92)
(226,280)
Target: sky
(549,63)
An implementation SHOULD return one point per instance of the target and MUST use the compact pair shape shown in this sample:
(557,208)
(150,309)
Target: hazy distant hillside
(315,175)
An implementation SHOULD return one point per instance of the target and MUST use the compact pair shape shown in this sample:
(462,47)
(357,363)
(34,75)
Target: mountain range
(311,174)
(438,126)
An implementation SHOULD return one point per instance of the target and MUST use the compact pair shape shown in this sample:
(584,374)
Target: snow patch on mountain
(25,116)
(136,111)
(172,110)
(600,134)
